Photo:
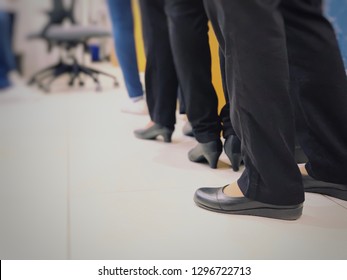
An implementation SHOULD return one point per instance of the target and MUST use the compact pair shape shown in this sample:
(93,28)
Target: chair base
(47,76)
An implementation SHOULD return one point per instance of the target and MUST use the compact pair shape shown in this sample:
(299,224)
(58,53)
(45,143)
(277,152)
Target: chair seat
(73,33)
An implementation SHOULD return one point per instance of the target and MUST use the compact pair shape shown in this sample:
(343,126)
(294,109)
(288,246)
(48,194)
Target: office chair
(67,38)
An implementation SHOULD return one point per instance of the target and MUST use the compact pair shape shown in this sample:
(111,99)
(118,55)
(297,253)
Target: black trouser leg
(182,105)
(160,76)
(228,129)
(319,88)
(188,25)
(262,114)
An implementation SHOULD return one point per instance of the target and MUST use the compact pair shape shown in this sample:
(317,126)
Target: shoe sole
(201,155)
(333,192)
(211,160)
(266,212)
(166,136)
(325,188)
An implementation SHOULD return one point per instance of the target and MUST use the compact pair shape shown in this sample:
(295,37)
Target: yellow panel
(216,75)
(141,59)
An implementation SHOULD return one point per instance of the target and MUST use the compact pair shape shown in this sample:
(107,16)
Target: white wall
(31,18)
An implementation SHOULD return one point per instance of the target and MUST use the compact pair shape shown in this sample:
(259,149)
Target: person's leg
(7,61)
(232,144)
(123,29)
(189,41)
(261,109)
(319,88)
(160,76)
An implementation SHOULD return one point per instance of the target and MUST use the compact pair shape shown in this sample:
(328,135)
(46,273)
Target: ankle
(233,190)
(303,170)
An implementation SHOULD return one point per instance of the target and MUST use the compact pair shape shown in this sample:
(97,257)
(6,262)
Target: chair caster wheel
(31,82)
(44,88)
(98,88)
(81,84)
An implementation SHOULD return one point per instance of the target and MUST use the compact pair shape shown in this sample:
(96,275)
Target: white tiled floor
(76,184)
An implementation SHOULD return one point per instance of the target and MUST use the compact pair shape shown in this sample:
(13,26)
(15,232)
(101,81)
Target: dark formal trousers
(188,28)
(283,72)
(177,47)
(227,129)
(160,74)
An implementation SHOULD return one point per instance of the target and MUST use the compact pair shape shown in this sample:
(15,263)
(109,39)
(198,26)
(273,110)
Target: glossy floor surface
(76,184)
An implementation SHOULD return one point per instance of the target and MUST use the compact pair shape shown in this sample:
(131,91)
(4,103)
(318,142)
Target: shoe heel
(283,214)
(212,159)
(167,136)
(289,214)
(236,161)
(232,148)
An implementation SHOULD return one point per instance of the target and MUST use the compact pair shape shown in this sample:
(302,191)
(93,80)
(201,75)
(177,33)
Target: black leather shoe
(153,132)
(206,152)
(330,189)
(232,148)
(214,199)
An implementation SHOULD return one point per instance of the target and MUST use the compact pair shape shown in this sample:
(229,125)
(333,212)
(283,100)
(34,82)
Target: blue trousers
(123,33)
(336,10)
(7,60)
